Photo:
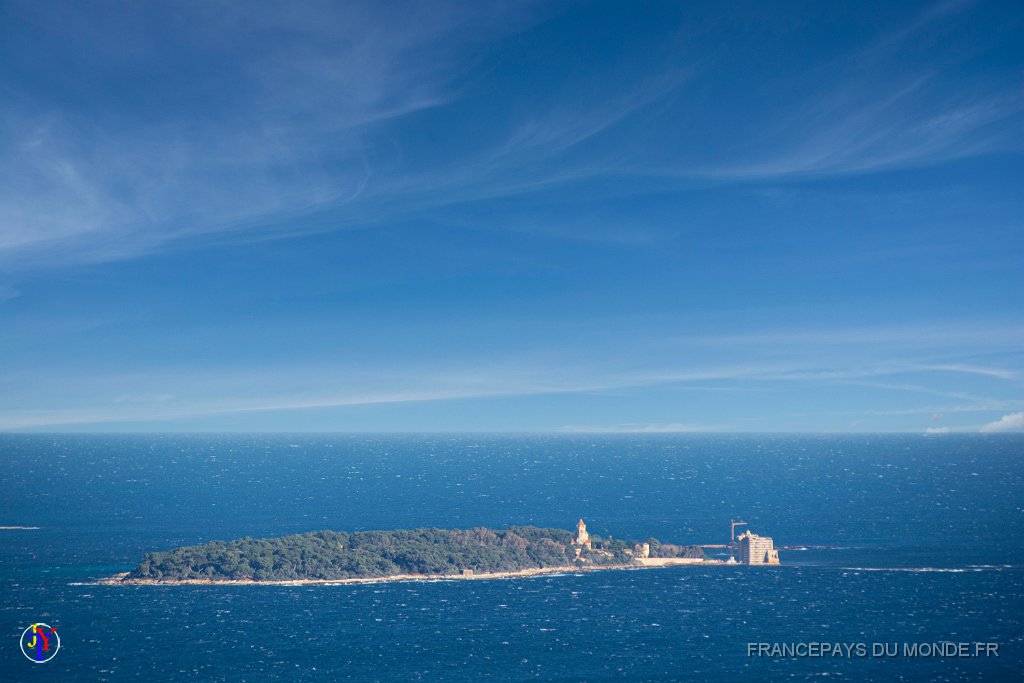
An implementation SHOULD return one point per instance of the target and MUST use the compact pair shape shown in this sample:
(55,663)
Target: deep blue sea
(925,537)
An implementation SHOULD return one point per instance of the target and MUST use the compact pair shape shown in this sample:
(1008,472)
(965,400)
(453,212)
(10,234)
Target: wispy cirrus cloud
(235,131)
(189,392)
(290,127)
(922,335)
(986,406)
(219,123)
(872,109)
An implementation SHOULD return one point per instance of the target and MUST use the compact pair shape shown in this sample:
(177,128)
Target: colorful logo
(40,642)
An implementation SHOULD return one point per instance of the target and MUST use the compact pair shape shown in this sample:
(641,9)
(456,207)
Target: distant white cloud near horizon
(1014,422)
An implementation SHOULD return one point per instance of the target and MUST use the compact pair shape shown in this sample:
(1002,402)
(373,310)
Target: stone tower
(582,537)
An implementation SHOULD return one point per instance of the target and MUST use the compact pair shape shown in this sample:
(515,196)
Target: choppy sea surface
(924,535)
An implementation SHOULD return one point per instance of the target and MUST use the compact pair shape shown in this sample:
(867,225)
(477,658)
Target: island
(405,554)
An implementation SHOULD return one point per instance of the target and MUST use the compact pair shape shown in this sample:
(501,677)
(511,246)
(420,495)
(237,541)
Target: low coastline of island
(425,554)
(124,579)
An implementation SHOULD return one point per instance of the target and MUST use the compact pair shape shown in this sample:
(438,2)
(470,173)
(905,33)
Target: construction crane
(735,524)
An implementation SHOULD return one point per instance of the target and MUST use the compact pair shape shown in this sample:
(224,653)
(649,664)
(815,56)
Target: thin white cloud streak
(885,45)
(904,130)
(189,392)
(785,371)
(513,165)
(565,126)
(445,387)
(869,352)
(143,410)
(988,406)
(922,335)
(628,428)
(25,419)
(1000,373)
(862,116)
(206,395)
(915,388)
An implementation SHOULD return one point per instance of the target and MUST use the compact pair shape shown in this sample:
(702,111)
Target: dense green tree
(337,555)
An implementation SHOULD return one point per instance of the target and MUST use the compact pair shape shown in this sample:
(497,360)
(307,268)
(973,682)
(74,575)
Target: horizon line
(29,432)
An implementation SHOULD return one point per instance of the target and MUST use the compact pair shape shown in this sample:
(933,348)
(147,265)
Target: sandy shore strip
(123,580)
(673,561)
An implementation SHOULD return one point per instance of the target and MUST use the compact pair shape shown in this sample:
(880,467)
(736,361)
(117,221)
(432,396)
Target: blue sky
(511,216)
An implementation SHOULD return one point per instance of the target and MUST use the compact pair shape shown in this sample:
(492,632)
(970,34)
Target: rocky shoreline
(123,580)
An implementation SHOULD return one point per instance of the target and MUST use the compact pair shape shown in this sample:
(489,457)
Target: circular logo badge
(40,642)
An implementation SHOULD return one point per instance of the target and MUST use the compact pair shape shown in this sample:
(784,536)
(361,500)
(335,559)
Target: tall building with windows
(754,549)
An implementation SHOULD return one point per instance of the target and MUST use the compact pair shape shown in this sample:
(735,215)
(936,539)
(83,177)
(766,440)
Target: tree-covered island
(337,556)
